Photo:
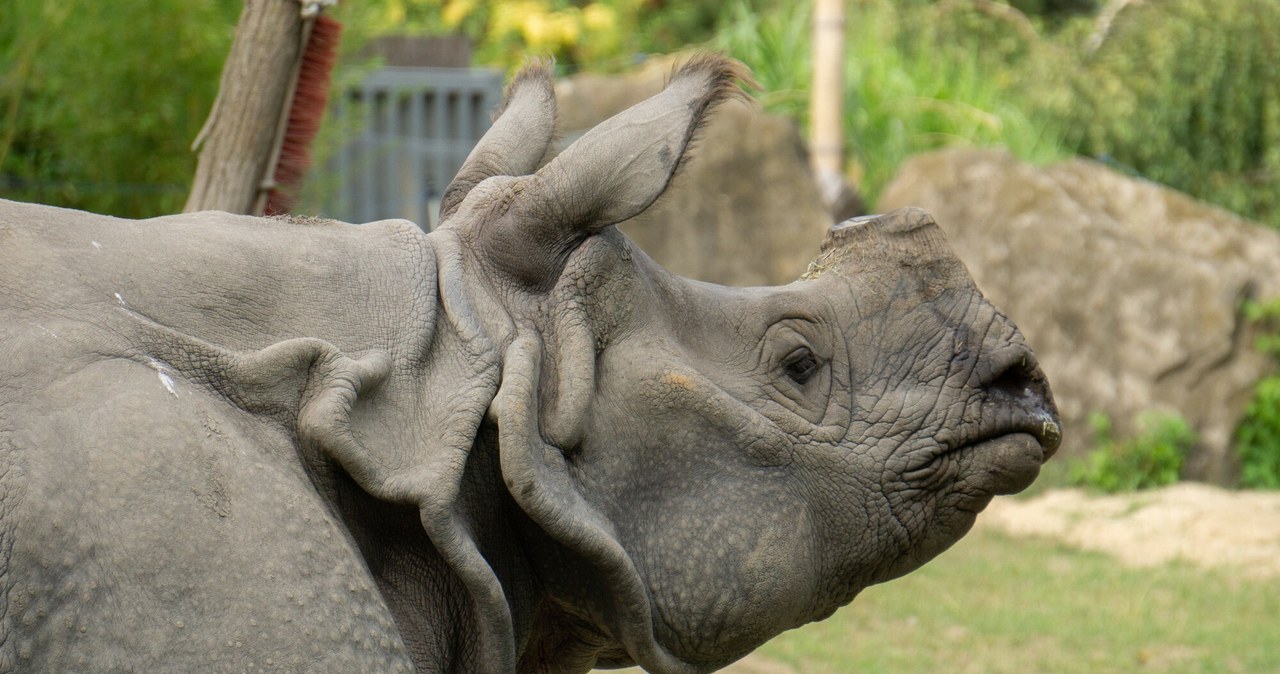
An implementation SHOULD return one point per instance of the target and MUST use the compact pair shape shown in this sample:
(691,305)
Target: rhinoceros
(514,444)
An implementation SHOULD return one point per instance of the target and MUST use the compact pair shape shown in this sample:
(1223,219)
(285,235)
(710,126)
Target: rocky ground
(1189,522)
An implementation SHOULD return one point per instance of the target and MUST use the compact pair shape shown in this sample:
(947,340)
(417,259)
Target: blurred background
(1108,169)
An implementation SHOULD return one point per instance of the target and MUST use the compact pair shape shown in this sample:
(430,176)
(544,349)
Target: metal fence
(409,131)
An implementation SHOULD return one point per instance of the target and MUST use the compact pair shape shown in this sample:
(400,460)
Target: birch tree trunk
(241,133)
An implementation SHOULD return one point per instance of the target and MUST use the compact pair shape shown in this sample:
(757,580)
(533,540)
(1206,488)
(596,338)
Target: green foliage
(1055,8)
(1181,92)
(1151,458)
(918,78)
(775,45)
(1186,93)
(1258,437)
(1266,316)
(99,101)
(596,34)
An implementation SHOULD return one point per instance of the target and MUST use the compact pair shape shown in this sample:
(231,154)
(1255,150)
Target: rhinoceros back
(150,519)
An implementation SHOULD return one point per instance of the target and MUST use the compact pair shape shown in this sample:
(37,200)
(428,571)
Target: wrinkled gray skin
(515,444)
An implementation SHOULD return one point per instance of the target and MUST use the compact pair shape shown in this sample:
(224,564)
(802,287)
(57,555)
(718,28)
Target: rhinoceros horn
(907,237)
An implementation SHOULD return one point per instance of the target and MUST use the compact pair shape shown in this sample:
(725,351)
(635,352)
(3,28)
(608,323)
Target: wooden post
(826,96)
(241,133)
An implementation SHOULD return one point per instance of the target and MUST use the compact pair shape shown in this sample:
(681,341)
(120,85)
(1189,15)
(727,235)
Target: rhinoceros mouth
(1041,425)
(1003,454)
(1015,431)
(1005,464)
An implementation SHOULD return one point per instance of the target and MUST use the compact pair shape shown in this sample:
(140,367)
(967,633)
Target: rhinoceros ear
(518,140)
(538,477)
(610,174)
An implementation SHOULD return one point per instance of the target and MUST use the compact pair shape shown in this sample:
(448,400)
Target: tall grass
(902,95)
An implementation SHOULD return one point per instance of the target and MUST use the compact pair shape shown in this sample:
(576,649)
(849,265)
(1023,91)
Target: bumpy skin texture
(515,444)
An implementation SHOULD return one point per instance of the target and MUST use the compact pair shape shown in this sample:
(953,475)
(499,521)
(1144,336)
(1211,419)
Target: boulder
(745,209)
(1129,292)
(586,99)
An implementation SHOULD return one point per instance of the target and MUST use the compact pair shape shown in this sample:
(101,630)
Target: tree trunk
(240,136)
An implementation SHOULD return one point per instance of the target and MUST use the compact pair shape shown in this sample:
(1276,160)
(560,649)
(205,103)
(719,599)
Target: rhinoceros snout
(1021,402)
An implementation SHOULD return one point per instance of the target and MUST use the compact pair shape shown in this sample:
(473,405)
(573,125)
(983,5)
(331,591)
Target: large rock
(1129,292)
(586,99)
(745,210)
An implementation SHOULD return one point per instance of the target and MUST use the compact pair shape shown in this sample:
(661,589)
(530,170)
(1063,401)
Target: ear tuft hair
(539,73)
(728,79)
(612,173)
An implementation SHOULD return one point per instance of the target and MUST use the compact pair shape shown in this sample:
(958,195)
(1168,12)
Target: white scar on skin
(161,371)
(96,245)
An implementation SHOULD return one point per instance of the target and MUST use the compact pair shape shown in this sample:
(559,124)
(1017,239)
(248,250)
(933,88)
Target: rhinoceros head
(698,467)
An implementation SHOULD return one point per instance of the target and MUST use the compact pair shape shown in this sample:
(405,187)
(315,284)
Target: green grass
(998,604)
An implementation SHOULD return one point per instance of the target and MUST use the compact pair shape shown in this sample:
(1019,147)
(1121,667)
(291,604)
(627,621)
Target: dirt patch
(1195,523)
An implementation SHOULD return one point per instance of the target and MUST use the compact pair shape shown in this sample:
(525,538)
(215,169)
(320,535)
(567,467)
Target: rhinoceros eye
(801,365)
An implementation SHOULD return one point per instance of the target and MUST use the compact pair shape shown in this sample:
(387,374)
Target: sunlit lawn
(998,604)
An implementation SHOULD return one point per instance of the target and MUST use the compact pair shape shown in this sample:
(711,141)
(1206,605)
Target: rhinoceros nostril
(1022,394)
(1019,380)
(1012,382)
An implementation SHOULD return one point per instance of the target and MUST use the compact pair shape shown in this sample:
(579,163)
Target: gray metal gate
(412,128)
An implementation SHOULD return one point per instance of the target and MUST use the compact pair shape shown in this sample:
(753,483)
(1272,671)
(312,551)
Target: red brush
(306,110)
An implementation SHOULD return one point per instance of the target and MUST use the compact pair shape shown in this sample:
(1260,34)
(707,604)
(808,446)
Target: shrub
(1153,457)
(1258,437)
(99,101)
